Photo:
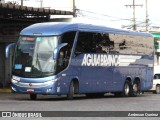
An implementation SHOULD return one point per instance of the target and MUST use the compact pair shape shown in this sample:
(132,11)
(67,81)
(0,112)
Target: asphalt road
(21,102)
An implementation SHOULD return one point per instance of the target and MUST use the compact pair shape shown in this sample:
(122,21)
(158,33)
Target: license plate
(30,90)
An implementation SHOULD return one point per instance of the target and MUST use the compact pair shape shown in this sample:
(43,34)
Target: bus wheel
(33,96)
(135,89)
(126,89)
(158,89)
(71,92)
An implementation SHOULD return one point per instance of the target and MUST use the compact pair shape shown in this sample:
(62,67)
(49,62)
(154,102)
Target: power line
(88,14)
(81,12)
(103,14)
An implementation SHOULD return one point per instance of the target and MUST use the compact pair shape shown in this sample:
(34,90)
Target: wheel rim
(135,88)
(126,89)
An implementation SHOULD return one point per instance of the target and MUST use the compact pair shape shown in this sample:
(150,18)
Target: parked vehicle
(156,80)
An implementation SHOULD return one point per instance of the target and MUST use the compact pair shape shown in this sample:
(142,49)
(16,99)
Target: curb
(5,90)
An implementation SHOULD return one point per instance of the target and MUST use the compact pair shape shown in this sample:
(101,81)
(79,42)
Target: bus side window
(93,43)
(86,43)
(81,44)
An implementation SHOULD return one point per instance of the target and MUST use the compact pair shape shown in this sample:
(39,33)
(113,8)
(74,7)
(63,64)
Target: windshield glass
(34,56)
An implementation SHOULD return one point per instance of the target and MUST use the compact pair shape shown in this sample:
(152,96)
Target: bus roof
(57,28)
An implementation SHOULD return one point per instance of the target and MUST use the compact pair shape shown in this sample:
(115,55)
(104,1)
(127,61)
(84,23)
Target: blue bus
(72,58)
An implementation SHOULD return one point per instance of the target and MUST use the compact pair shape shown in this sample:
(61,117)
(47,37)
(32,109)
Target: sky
(109,12)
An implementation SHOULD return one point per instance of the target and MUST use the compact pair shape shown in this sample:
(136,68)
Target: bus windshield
(34,56)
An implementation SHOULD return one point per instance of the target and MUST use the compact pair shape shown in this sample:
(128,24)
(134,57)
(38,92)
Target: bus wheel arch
(76,85)
(73,88)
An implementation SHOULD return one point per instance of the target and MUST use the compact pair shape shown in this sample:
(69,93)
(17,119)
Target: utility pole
(134,18)
(74,9)
(21,3)
(41,3)
(2,1)
(147,16)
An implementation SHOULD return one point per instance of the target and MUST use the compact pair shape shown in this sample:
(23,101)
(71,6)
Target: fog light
(14,89)
(49,90)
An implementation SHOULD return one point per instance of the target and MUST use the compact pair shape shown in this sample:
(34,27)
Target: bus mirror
(8,47)
(57,49)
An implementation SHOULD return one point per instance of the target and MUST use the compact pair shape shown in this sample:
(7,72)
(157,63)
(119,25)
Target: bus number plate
(30,90)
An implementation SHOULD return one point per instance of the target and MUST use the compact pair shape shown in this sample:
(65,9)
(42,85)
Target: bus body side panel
(134,59)
(63,83)
(96,79)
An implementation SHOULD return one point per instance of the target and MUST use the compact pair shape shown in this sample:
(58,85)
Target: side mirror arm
(57,49)
(8,47)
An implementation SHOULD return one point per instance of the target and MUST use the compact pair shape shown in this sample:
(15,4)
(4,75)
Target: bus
(76,58)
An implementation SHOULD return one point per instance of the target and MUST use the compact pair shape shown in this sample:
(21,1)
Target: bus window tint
(93,43)
(84,43)
(113,43)
(127,44)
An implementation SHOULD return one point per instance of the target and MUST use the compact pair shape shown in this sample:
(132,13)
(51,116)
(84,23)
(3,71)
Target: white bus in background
(156,80)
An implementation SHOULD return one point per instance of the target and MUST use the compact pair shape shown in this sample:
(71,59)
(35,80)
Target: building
(13,18)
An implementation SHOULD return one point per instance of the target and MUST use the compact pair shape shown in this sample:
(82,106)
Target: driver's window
(65,52)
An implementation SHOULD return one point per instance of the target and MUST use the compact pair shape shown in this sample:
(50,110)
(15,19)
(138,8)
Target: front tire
(33,96)
(71,92)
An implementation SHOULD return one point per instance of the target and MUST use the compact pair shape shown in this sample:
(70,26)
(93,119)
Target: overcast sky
(105,11)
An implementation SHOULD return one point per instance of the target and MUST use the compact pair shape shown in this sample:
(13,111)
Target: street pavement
(21,102)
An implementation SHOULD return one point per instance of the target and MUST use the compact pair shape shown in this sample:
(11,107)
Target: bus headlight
(14,81)
(16,78)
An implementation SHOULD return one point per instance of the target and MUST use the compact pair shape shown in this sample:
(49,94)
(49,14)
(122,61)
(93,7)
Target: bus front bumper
(48,87)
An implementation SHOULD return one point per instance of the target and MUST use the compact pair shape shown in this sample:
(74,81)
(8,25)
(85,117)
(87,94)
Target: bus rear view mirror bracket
(57,49)
(8,47)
